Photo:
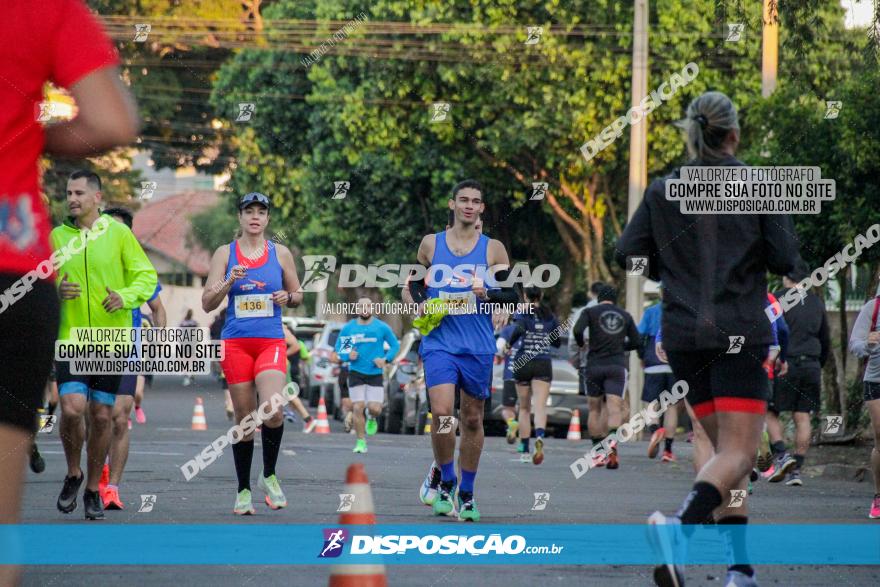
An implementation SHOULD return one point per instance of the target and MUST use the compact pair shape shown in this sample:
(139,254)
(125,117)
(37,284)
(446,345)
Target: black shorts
(799,391)
(582,380)
(28,328)
(540,369)
(508,394)
(872,390)
(355,379)
(97,388)
(656,383)
(723,382)
(606,380)
(343,382)
(127,385)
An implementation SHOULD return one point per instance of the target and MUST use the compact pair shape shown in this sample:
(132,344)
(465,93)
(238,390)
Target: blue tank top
(250,312)
(464,334)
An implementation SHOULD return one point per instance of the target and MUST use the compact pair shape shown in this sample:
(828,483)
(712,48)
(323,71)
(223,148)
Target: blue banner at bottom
(273,544)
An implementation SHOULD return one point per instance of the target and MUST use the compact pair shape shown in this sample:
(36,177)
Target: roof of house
(164,226)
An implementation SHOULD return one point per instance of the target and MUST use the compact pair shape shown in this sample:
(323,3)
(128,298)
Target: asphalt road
(312,470)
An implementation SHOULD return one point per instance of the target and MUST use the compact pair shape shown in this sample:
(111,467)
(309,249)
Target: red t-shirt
(43,40)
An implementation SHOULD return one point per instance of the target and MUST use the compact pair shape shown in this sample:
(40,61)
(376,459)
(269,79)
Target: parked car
(323,373)
(407,367)
(561,402)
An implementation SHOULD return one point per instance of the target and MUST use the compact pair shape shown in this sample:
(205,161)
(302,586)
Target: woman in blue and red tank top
(258,277)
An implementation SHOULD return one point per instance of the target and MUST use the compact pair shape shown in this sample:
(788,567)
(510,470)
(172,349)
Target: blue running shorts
(472,373)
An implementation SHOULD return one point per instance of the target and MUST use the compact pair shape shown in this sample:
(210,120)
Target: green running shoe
(512,429)
(274,496)
(360,446)
(243,504)
(467,508)
(443,504)
(372,426)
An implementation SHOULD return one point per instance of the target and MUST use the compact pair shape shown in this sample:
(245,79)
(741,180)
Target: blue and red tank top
(450,278)
(250,312)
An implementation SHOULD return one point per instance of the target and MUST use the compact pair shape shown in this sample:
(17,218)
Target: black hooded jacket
(713,267)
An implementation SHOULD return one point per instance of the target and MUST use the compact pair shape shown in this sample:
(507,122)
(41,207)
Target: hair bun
(702,120)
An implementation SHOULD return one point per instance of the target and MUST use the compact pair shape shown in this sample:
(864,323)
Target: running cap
(253,198)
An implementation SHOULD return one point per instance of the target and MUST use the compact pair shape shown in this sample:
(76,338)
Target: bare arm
(217,286)
(107,117)
(160,318)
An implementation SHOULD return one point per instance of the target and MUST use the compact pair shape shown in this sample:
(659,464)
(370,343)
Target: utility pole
(770,47)
(638,180)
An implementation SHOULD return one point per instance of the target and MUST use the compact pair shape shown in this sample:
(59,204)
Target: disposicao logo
(334,540)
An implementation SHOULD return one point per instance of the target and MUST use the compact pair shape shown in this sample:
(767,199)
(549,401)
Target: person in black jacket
(714,268)
(800,390)
(611,331)
(533,369)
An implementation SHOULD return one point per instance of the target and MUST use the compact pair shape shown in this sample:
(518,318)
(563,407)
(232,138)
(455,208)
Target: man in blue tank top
(462,265)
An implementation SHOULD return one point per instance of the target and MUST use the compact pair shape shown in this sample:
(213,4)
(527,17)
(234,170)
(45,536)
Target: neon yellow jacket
(110,256)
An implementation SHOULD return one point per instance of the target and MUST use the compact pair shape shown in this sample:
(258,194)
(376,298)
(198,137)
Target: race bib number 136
(254,306)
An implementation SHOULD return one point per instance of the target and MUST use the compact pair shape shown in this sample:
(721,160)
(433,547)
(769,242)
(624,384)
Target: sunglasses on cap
(253,198)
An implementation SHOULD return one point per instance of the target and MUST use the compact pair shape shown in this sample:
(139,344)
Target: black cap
(253,198)
(799,272)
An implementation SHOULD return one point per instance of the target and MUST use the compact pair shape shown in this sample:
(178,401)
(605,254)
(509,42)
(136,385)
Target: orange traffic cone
(574,428)
(198,421)
(323,426)
(361,512)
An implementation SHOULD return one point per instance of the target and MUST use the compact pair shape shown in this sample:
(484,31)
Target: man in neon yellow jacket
(103,275)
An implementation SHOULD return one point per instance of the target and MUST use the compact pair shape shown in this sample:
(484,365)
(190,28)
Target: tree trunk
(566,290)
(843,281)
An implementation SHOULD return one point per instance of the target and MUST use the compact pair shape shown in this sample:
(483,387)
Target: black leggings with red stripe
(723,382)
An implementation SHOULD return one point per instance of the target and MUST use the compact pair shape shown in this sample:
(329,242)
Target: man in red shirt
(56,41)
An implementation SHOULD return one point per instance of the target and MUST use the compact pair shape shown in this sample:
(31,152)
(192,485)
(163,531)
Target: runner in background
(345,400)
(188,322)
(578,356)
(800,389)
(106,117)
(658,378)
(864,342)
(609,331)
(533,370)
(99,287)
(361,342)
(296,352)
(111,475)
(505,352)
(257,277)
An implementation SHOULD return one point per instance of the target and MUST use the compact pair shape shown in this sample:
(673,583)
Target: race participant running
(111,475)
(458,352)
(106,117)
(296,352)
(864,342)
(713,267)
(344,399)
(361,343)
(258,278)
(610,332)
(189,322)
(658,378)
(533,370)
(99,287)
(799,391)
(505,352)
(217,334)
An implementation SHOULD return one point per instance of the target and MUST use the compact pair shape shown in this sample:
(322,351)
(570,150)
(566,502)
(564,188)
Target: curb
(838,471)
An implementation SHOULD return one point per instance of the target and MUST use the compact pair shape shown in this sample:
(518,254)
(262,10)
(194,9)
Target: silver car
(561,402)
